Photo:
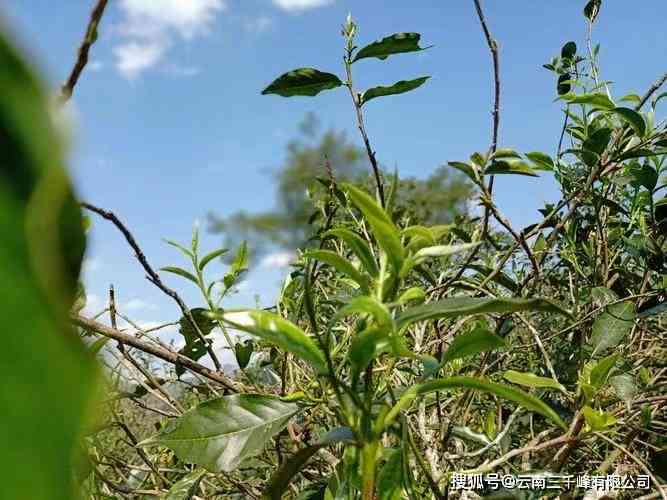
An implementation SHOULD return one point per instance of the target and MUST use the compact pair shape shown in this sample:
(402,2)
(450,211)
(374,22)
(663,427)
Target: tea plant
(398,354)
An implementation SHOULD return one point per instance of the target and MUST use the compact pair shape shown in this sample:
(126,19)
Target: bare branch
(157,351)
(82,57)
(154,278)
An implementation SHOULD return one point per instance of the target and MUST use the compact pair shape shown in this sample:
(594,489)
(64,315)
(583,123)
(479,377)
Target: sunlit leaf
(341,265)
(528,379)
(383,228)
(219,434)
(394,44)
(359,247)
(280,332)
(397,88)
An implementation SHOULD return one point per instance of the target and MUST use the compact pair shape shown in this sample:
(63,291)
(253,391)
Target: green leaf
(466,306)
(596,100)
(470,343)
(213,255)
(278,331)
(482,385)
(602,296)
(412,293)
(516,167)
(624,387)
(281,479)
(466,168)
(600,371)
(612,326)
(634,119)
(243,352)
(219,434)
(186,487)
(394,44)
(339,263)
(531,380)
(384,230)
(569,50)
(47,375)
(181,248)
(592,9)
(423,254)
(240,262)
(397,88)
(542,161)
(564,84)
(598,420)
(302,82)
(597,142)
(390,477)
(181,272)
(369,344)
(359,247)
(367,305)
(195,350)
(204,321)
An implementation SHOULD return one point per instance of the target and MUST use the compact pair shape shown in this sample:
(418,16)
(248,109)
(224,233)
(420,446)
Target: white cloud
(135,57)
(258,25)
(149,27)
(277,260)
(301,5)
(137,305)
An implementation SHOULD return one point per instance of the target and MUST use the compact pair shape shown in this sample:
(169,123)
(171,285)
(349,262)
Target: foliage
(403,348)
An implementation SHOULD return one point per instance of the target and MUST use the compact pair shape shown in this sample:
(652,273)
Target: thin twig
(157,351)
(154,278)
(82,56)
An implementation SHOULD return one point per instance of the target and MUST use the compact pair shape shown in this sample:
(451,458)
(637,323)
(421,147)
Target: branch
(652,89)
(160,352)
(154,278)
(82,58)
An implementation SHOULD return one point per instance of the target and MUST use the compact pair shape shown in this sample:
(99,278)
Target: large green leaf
(482,385)
(186,487)
(612,326)
(341,265)
(465,306)
(397,88)
(219,434)
(47,375)
(392,44)
(476,341)
(384,229)
(634,119)
(596,100)
(531,380)
(359,247)
(278,331)
(303,82)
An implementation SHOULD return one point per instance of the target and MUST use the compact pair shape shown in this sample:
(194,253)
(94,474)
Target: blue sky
(169,123)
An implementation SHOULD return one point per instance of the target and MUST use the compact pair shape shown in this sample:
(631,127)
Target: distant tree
(437,199)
